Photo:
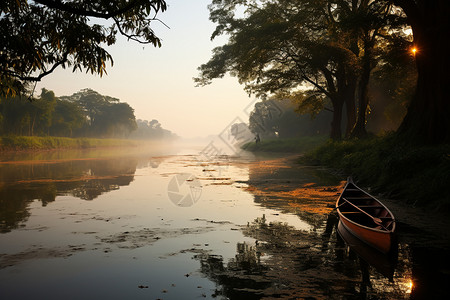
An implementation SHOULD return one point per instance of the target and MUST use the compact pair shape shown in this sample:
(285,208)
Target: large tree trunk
(428,116)
(336,123)
(359,131)
(350,107)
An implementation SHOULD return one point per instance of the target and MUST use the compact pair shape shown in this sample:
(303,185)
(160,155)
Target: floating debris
(143,286)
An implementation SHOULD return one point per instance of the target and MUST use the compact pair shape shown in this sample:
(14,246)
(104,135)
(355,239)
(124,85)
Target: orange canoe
(366,217)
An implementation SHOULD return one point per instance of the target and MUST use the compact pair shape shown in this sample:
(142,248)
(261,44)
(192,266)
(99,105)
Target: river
(162,223)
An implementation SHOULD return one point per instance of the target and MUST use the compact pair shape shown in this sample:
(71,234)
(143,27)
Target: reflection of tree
(84,179)
(298,264)
(241,278)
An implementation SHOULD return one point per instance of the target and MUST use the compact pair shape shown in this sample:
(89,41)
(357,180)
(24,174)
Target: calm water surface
(160,224)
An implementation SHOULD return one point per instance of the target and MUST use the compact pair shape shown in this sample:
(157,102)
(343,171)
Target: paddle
(376,220)
(339,205)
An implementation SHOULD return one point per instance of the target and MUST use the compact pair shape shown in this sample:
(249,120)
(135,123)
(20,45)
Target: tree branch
(68,7)
(43,74)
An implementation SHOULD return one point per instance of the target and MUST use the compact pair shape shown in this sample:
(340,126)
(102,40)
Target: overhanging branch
(43,74)
(68,7)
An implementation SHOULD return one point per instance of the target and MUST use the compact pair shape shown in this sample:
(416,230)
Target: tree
(392,86)
(115,120)
(67,118)
(371,26)
(36,37)
(310,51)
(277,118)
(22,117)
(427,119)
(41,113)
(105,115)
(151,130)
(283,48)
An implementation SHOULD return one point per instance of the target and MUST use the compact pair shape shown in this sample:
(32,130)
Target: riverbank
(19,143)
(416,175)
(291,145)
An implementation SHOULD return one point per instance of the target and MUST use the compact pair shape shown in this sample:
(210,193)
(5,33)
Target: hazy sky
(157,82)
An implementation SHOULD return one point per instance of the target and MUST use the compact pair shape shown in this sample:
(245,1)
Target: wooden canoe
(366,217)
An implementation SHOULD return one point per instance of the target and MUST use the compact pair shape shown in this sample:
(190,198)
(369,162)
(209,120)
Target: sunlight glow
(410,286)
(414,50)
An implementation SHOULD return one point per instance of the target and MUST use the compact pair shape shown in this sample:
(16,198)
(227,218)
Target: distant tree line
(83,114)
(151,130)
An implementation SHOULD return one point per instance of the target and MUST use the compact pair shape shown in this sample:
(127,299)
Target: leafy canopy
(36,37)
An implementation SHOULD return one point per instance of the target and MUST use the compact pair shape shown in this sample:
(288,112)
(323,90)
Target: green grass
(14,143)
(418,175)
(291,145)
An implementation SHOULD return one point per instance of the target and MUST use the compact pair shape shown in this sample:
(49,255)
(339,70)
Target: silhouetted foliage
(316,52)
(85,113)
(38,36)
(272,118)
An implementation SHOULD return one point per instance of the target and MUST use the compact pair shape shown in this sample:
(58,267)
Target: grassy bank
(292,145)
(15,143)
(417,175)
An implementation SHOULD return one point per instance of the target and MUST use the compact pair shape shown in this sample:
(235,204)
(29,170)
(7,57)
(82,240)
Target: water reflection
(288,263)
(24,181)
(242,277)
(383,263)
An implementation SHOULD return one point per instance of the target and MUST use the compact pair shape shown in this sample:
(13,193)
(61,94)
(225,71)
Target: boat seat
(370,206)
(351,212)
(358,198)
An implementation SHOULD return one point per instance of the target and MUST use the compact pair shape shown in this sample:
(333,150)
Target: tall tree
(67,118)
(427,119)
(38,36)
(284,48)
(370,25)
(105,116)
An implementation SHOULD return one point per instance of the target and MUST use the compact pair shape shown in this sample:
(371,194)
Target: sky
(157,82)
